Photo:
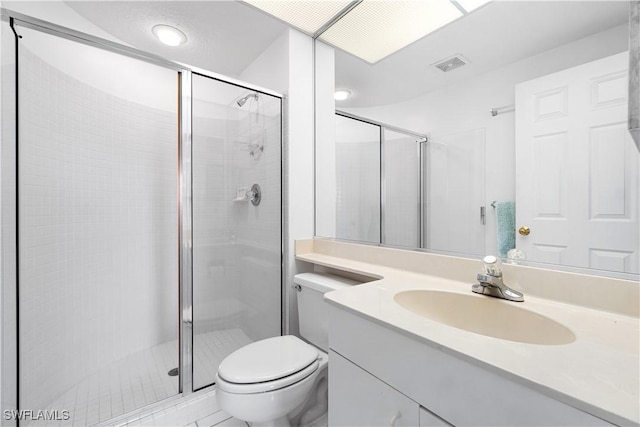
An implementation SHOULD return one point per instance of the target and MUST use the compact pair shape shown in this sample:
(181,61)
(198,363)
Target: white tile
(232,422)
(213,419)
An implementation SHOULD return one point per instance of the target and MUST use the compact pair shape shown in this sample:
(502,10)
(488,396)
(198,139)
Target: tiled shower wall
(98,229)
(258,228)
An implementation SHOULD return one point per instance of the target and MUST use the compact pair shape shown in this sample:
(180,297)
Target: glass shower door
(237,247)
(98,230)
(357,157)
(454,182)
(400,189)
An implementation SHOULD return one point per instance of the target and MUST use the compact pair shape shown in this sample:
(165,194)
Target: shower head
(244,99)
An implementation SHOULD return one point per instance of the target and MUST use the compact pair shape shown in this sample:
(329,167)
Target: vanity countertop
(598,373)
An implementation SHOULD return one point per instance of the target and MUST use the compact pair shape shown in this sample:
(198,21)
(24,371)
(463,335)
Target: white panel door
(577,168)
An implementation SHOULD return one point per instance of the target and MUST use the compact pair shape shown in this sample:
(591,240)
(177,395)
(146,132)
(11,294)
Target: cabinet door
(357,398)
(429,419)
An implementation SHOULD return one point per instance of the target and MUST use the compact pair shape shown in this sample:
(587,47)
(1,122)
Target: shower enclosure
(384,185)
(148,225)
(376,170)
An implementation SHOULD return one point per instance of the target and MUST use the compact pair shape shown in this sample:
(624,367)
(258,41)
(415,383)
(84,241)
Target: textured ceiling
(223,36)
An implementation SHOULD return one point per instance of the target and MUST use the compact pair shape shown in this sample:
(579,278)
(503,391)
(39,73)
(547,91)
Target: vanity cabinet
(379,375)
(357,398)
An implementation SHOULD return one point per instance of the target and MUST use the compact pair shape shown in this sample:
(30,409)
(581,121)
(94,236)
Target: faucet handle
(484,278)
(492,266)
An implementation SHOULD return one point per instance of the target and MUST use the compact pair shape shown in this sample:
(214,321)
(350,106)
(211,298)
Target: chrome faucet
(490,281)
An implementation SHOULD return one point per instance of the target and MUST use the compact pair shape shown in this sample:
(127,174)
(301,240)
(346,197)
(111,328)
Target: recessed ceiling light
(341,94)
(169,35)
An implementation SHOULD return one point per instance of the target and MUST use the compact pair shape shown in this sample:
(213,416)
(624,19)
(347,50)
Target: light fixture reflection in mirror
(341,94)
(402,91)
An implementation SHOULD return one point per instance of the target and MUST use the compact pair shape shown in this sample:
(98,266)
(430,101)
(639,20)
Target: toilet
(282,381)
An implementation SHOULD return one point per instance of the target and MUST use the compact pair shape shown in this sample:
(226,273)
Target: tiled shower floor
(142,379)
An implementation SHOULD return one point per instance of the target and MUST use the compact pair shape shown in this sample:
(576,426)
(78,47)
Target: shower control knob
(255,194)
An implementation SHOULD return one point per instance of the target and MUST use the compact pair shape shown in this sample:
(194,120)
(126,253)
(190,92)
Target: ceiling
(223,36)
(226,36)
(500,33)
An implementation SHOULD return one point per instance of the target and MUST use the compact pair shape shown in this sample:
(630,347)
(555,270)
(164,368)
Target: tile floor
(219,419)
(142,379)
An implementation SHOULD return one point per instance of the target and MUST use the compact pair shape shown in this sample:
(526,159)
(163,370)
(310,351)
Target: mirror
(533,123)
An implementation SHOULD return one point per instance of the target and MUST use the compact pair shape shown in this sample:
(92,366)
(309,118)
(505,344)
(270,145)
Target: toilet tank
(312,309)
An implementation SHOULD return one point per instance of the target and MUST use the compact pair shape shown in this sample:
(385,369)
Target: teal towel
(505,227)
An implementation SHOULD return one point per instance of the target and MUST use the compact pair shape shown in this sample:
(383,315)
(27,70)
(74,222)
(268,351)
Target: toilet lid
(267,360)
(267,385)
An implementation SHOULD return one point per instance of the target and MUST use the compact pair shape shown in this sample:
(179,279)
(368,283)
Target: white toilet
(282,381)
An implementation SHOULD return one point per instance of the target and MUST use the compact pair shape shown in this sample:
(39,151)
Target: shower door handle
(187,316)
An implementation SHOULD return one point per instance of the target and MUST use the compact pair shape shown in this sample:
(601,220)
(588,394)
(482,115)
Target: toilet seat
(266,386)
(268,364)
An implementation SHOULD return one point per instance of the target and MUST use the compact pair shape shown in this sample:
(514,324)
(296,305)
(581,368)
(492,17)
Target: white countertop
(598,373)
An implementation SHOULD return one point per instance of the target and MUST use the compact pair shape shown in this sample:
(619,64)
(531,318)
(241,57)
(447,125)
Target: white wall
(465,106)
(325,146)
(299,160)
(270,70)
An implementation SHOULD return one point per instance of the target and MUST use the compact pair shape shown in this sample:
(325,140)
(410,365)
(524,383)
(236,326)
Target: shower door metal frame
(283,200)
(185,290)
(185,296)
(420,142)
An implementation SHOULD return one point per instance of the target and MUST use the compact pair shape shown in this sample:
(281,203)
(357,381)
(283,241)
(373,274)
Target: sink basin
(484,315)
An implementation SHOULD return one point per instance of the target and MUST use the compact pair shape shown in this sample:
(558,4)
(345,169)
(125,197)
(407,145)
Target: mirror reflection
(527,145)
(357,171)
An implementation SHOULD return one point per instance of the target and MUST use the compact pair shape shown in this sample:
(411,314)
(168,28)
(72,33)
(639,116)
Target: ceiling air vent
(452,63)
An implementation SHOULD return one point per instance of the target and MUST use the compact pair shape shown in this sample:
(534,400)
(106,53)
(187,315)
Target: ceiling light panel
(309,16)
(375,29)
(470,5)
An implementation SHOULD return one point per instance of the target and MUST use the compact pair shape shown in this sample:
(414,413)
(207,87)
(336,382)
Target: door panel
(577,168)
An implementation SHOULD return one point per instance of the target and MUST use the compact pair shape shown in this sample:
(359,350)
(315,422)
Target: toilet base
(314,413)
(310,410)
